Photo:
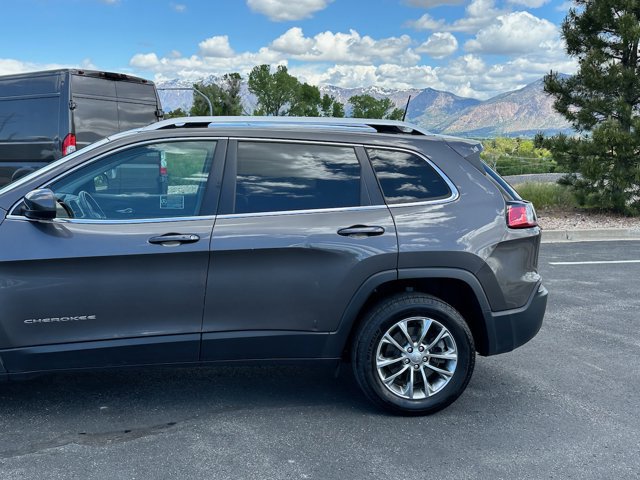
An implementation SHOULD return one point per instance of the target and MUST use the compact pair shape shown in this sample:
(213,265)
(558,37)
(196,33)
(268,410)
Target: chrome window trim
(301,212)
(89,221)
(293,140)
(100,157)
(453,197)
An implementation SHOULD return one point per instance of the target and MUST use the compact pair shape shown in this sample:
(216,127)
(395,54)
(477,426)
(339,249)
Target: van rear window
(93,86)
(141,92)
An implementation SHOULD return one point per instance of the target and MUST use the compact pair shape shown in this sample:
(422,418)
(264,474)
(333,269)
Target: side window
(274,177)
(405,177)
(151,181)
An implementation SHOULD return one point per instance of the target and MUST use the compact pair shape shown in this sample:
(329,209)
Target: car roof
(364,125)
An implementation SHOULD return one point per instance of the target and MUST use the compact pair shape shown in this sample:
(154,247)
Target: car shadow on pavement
(185,389)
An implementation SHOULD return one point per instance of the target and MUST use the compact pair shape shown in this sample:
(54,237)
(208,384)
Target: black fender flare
(337,340)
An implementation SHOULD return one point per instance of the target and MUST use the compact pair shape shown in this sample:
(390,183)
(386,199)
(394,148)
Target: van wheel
(413,355)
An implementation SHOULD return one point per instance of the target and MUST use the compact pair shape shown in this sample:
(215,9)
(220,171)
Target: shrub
(547,195)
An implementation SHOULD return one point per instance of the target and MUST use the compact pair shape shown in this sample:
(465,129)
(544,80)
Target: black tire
(386,316)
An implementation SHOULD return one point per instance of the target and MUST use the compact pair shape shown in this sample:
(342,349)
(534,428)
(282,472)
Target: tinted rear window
(142,92)
(405,177)
(82,85)
(95,119)
(274,177)
(134,115)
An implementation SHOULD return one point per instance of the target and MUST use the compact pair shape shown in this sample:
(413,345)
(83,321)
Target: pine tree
(602,102)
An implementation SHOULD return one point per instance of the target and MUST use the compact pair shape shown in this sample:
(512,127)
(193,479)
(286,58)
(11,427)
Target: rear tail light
(521,215)
(69,144)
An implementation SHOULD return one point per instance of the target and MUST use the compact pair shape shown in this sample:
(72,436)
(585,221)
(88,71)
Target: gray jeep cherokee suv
(204,240)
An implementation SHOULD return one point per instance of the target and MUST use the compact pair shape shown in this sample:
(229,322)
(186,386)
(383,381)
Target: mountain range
(522,112)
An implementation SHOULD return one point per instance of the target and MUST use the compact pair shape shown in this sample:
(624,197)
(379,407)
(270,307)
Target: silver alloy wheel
(416,358)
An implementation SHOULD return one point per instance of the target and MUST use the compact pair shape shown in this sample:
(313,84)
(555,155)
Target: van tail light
(521,215)
(69,144)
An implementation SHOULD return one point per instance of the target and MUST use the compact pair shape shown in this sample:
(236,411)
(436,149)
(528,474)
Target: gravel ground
(579,220)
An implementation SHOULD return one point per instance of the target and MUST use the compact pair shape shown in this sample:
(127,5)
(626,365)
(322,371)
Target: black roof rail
(350,124)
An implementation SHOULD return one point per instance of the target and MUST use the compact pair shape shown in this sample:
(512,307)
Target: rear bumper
(511,328)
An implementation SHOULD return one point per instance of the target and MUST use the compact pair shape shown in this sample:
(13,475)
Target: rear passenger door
(302,226)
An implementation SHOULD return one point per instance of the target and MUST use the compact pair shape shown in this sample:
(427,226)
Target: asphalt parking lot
(566,405)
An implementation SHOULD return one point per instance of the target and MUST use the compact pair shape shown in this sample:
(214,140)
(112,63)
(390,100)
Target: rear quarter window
(406,177)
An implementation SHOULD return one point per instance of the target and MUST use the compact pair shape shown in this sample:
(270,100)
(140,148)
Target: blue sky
(477,48)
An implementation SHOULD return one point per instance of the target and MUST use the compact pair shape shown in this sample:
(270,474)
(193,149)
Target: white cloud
(196,67)
(529,3)
(470,75)
(439,45)
(478,14)
(293,42)
(348,59)
(432,3)
(385,75)
(145,61)
(11,66)
(110,2)
(287,10)
(345,47)
(217,46)
(179,7)
(513,33)
(427,22)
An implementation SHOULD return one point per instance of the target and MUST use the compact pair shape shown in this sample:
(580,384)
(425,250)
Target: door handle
(361,231)
(171,239)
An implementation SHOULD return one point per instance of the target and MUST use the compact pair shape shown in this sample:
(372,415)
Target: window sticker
(172,202)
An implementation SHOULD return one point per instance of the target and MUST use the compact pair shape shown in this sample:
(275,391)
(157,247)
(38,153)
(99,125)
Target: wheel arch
(459,288)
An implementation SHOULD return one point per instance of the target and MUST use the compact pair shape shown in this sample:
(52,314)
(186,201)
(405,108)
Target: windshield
(51,166)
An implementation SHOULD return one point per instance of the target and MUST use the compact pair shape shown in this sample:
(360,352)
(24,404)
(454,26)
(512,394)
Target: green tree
(513,156)
(275,91)
(602,102)
(177,113)
(306,102)
(224,96)
(331,107)
(366,106)
(337,110)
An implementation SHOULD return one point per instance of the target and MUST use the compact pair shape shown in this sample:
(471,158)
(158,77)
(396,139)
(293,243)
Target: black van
(46,115)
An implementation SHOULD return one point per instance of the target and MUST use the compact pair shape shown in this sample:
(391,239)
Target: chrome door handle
(361,231)
(174,239)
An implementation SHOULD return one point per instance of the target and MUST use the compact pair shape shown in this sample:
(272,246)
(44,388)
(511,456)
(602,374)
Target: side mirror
(40,204)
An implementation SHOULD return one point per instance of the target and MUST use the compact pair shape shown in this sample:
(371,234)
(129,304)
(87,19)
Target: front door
(119,277)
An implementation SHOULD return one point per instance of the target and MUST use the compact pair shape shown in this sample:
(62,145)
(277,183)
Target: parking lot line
(595,262)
